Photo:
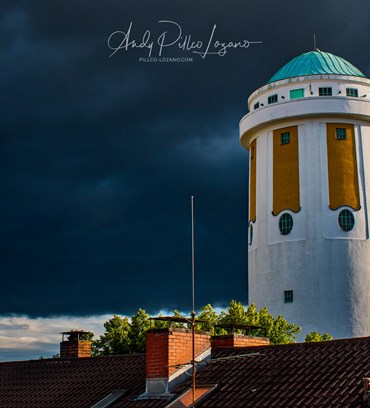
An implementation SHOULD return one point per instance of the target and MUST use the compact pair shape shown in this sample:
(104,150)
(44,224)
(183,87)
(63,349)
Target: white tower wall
(327,269)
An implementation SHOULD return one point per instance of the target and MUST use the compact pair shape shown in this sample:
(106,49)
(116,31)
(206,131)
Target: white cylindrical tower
(308,136)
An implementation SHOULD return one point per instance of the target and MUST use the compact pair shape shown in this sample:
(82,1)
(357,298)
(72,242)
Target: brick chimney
(238,340)
(75,346)
(366,392)
(168,354)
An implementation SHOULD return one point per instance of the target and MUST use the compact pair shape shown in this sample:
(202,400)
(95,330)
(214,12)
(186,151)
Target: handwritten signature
(120,40)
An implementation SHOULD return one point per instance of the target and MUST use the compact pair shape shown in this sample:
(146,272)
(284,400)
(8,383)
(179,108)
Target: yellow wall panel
(252,181)
(285,171)
(342,168)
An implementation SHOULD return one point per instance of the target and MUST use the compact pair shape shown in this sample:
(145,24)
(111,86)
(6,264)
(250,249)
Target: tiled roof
(297,375)
(325,374)
(69,383)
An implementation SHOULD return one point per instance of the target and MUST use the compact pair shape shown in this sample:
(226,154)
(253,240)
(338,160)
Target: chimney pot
(238,340)
(75,346)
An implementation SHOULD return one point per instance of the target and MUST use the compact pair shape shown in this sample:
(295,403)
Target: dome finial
(314,42)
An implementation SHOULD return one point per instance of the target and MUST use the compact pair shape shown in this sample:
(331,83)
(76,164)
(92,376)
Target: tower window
(346,220)
(352,92)
(252,152)
(250,234)
(288,296)
(285,224)
(285,138)
(272,99)
(256,105)
(325,92)
(340,134)
(296,93)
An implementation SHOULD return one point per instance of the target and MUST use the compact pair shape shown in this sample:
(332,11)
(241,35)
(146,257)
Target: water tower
(308,137)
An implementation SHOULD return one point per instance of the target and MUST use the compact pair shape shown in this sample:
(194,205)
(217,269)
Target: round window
(346,220)
(285,224)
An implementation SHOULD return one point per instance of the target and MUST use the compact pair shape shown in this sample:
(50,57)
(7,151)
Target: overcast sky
(101,149)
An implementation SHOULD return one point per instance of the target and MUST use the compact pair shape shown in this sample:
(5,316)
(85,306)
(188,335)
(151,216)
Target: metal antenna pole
(193,296)
(192,253)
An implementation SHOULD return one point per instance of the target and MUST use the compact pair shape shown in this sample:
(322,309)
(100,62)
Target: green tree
(122,336)
(115,339)
(235,314)
(160,324)
(140,324)
(178,325)
(315,336)
(282,332)
(87,336)
(254,317)
(210,318)
(278,330)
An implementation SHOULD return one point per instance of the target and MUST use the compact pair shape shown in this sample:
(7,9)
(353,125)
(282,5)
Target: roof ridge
(333,342)
(68,360)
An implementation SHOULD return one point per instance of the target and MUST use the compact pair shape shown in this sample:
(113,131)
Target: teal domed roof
(316,63)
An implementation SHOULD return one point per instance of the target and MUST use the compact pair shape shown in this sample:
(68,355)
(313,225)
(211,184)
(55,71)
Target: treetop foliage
(123,336)
(315,336)
(278,330)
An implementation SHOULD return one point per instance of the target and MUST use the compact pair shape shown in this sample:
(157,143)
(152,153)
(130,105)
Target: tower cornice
(335,106)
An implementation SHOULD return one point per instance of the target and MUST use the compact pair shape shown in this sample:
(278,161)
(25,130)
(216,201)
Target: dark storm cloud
(99,155)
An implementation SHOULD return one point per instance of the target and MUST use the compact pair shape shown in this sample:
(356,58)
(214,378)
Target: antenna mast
(192,254)
(193,297)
